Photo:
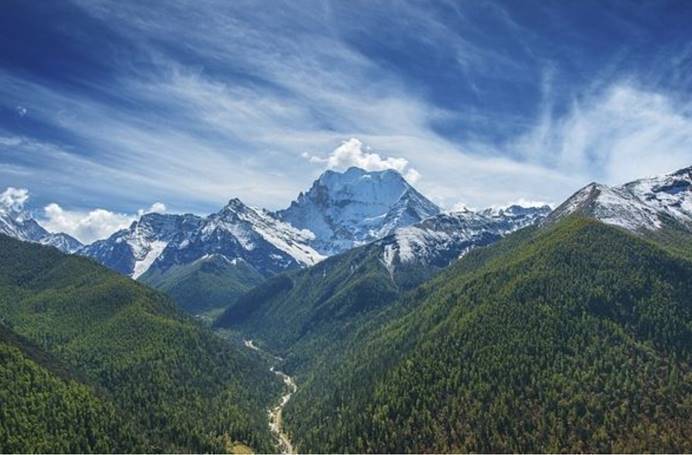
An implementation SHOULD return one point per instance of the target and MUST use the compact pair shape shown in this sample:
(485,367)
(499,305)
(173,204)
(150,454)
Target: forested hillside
(303,313)
(573,338)
(180,386)
(206,285)
(46,409)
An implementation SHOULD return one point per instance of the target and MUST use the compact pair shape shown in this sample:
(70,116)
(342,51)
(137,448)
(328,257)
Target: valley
(436,336)
(346,227)
(275,413)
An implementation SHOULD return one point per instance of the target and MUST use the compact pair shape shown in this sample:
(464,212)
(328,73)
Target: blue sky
(119,105)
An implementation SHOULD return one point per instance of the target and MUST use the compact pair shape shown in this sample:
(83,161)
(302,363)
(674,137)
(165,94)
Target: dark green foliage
(571,339)
(44,408)
(247,303)
(315,309)
(204,285)
(182,387)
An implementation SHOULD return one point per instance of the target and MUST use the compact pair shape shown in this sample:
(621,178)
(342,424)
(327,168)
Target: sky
(110,109)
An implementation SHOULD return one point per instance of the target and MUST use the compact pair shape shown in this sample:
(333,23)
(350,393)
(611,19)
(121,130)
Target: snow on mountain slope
(61,241)
(154,251)
(258,230)
(642,205)
(20,225)
(235,232)
(441,239)
(355,207)
(131,251)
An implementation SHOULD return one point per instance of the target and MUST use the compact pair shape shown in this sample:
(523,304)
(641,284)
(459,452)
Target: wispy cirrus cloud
(197,103)
(617,134)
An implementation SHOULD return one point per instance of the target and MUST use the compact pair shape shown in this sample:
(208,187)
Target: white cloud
(156,207)
(412,175)
(21,111)
(614,136)
(460,207)
(13,199)
(208,138)
(88,226)
(354,153)
(85,226)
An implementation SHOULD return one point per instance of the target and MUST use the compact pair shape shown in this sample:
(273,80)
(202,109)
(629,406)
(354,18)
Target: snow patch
(155,250)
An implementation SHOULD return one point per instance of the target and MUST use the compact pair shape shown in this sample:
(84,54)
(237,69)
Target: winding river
(275,413)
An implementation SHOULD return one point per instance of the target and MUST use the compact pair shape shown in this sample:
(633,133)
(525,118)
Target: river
(275,413)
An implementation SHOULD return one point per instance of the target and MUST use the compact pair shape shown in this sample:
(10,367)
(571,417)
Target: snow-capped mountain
(20,225)
(647,204)
(441,239)
(131,251)
(64,242)
(347,209)
(237,232)
(246,233)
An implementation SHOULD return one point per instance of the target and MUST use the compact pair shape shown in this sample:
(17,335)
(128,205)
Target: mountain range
(228,252)
(401,328)
(20,225)
(572,333)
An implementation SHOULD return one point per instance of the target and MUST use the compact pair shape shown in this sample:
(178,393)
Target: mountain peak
(235,204)
(641,205)
(19,224)
(353,175)
(349,208)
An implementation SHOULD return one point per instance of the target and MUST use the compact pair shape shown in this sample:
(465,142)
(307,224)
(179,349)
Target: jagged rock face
(62,241)
(247,233)
(441,239)
(20,225)
(340,211)
(236,232)
(347,209)
(642,205)
(131,251)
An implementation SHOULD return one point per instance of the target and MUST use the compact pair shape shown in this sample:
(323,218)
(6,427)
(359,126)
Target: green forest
(204,286)
(572,338)
(174,385)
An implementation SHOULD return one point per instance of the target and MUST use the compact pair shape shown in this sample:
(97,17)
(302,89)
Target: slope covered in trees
(45,408)
(205,286)
(183,388)
(577,337)
(302,314)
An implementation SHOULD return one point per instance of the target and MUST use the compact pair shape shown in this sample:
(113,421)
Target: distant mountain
(343,291)
(355,207)
(133,250)
(204,262)
(441,239)
(644,205)
(20,225)
(235,232)
(241,232)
